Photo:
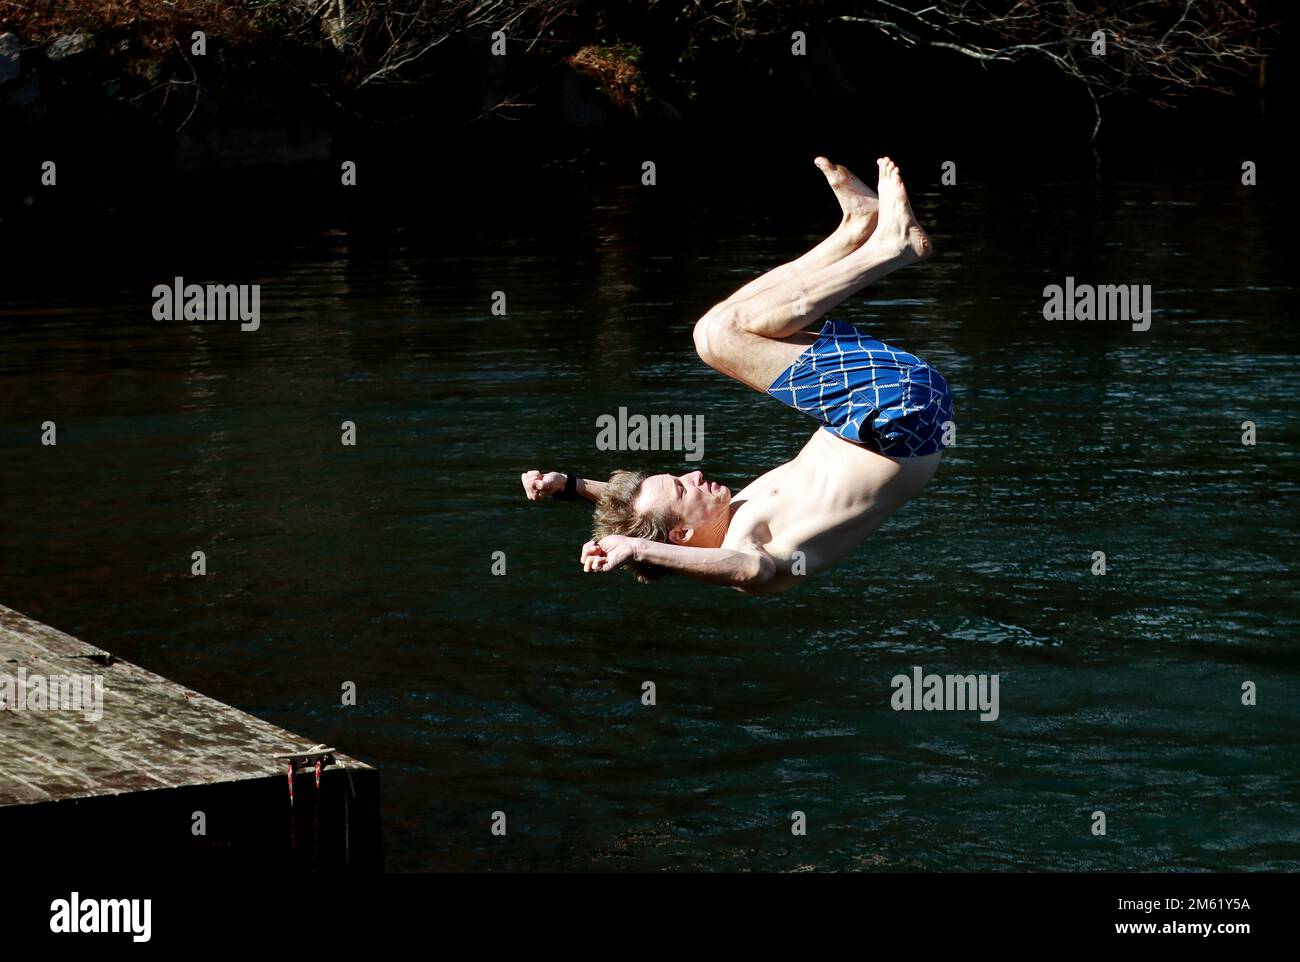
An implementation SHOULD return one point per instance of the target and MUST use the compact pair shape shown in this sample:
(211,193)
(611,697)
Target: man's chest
(801,500)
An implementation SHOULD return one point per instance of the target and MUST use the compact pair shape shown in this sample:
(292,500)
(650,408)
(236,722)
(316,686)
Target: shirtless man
(884,413)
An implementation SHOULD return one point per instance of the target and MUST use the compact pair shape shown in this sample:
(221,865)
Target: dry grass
(154,23)
(615,69)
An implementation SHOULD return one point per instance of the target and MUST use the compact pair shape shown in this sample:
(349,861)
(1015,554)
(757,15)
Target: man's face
(694,500)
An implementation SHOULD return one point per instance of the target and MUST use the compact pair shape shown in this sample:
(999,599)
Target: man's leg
(755,338)
(858,206)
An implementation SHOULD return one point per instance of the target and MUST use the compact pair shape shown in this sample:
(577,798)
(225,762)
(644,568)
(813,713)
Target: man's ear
(681,535)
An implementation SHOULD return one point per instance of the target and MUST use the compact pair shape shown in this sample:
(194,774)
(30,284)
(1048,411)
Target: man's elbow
(759,572)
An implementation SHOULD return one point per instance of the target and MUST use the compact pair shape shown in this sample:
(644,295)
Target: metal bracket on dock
(302,761)
(313,761)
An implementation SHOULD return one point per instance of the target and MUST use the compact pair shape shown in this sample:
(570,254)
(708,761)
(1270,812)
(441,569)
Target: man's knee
(716,334)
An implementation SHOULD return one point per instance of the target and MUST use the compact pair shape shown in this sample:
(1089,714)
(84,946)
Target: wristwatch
(570,487)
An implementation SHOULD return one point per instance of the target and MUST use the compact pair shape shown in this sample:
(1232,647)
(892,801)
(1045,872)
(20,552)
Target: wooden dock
(160,773)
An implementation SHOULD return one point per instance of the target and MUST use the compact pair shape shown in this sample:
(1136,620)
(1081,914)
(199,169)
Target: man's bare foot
(858,202)
(898,230)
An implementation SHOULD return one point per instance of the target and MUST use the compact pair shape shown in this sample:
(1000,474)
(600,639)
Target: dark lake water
(1119,693)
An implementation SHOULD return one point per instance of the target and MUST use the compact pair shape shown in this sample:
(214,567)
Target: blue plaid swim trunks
(867,392)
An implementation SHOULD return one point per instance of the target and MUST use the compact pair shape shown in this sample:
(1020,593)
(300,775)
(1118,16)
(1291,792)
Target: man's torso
(822,504)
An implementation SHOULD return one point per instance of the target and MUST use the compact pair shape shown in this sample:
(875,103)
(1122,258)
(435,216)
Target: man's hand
(611,553)
(538,485)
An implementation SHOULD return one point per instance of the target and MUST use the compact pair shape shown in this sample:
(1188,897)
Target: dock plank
(154,733)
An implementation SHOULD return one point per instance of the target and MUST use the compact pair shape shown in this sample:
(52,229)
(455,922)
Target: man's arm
(550,484)
(745,570)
